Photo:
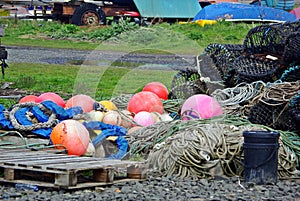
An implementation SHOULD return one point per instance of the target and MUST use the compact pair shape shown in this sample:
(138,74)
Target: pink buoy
(158,88)
(200,106)
(72,135)
(28,98)
(144,118)
(84,101)
(145,101)
(52,97)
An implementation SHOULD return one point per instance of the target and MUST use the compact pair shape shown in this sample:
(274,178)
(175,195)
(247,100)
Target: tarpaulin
(168,8)
(246,12)
(109,130)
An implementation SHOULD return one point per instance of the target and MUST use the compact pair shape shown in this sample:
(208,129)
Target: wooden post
(9,174)
(103,175)
(66,179)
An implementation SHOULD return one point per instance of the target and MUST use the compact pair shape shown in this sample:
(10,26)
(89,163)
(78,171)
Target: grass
(104,82)
(99,82)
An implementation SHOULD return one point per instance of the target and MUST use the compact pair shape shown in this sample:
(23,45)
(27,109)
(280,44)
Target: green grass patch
(99,82)
(189,38)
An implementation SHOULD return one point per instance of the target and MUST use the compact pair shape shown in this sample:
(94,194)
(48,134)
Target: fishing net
(186,83)
(251,69)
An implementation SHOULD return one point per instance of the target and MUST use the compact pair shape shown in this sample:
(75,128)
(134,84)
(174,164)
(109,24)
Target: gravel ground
(152,188)
(169,189)
(68,56)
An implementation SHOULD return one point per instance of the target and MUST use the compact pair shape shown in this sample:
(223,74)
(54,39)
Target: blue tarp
(21,116)
(243,12)
(168,8)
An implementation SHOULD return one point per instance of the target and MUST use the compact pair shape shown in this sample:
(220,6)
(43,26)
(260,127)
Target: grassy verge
(100,82)
(184,38)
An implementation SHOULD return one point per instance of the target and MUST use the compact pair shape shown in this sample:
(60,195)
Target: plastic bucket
(261,137)
(260,156)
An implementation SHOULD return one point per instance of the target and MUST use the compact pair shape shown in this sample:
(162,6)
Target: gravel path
(69,56)
(170,189)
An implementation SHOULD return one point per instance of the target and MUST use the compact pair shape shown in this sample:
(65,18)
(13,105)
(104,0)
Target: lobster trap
(278,106)
(273,40)
(223,56)
(186,83)
(251,69)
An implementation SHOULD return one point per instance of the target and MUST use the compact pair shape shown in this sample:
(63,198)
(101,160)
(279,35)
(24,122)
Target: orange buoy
(72,135)
(145,101)
(52,97)
(84,101)
(28,98)
(158,88)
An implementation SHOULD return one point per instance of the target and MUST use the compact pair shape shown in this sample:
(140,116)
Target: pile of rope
(198,148)
(235,100)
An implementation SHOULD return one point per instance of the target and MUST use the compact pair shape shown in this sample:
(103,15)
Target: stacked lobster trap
(268,62)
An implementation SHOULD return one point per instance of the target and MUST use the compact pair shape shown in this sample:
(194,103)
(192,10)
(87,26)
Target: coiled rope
(52,120)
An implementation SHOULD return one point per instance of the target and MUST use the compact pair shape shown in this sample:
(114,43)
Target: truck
(95,12)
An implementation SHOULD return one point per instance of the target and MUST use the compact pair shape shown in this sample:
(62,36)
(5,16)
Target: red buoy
(158,88)
(52,97)
(84,101)
(145,101)
(28,98)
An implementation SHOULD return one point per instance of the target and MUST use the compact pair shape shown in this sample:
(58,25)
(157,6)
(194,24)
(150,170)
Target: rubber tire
(84,8)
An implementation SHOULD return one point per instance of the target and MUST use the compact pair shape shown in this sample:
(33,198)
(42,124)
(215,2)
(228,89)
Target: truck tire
(88,14)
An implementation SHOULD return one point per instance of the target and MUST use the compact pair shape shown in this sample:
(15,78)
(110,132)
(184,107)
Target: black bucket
(260,156)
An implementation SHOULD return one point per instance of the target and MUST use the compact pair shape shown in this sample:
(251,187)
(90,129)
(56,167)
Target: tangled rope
(241,93)
(121,101)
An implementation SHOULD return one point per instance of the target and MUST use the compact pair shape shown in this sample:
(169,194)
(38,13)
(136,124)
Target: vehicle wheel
(88,14)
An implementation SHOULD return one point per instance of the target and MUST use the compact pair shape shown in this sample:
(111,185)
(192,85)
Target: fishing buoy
(127,119)
(144,118)
(145,101)
(52,97)
(72,135)
(28,98)
(200,106)
(108,105)
(95,115)
(133,129)
(90,151)
(84,101)
(112,117)
(158,88)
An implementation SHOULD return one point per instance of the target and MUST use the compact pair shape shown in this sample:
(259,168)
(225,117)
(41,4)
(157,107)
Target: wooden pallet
(57,170)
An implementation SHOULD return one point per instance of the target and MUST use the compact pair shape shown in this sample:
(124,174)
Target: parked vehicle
(95,12)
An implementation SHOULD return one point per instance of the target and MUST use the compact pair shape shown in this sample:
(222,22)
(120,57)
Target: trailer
(95,12)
